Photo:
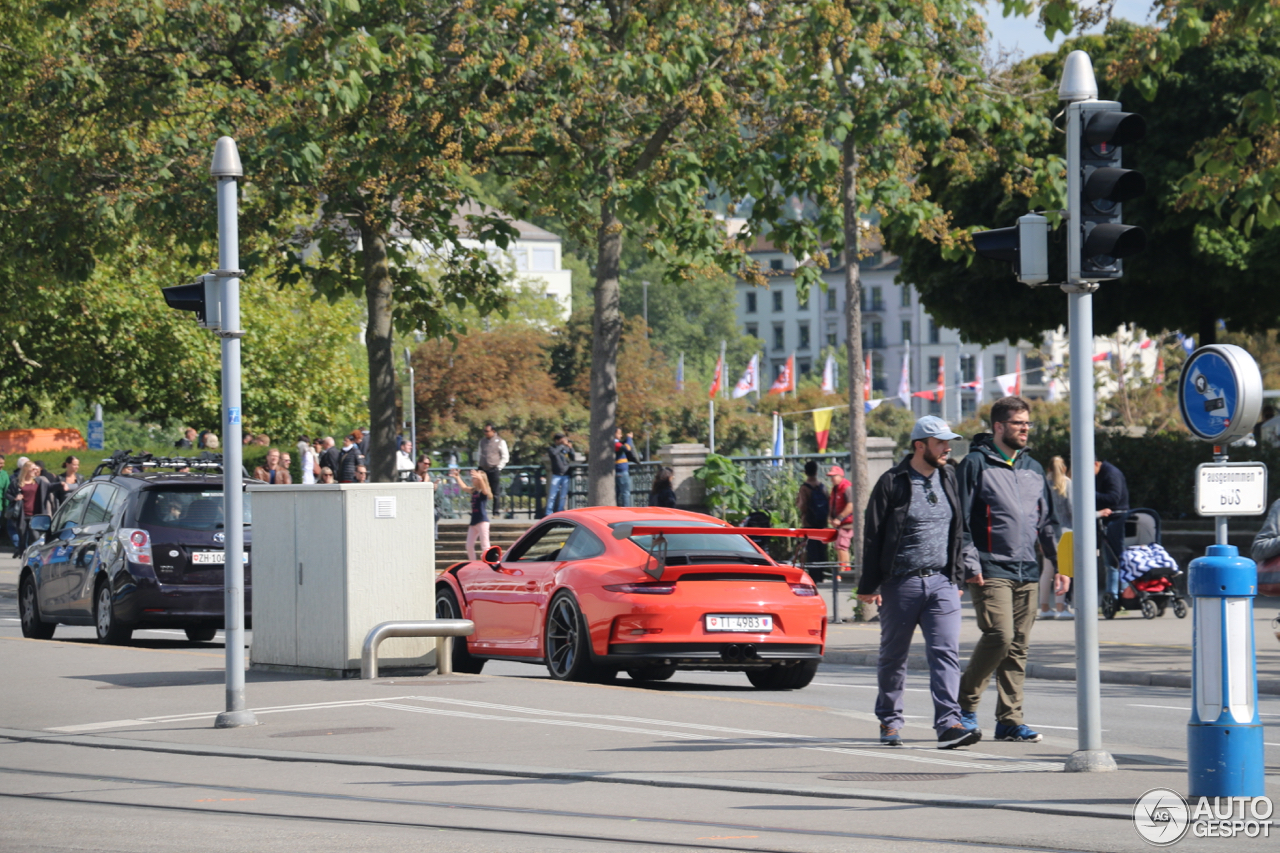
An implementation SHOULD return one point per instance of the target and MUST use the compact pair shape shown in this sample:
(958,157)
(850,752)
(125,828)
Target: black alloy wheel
(111,631)
(566,644)
(1179,608)
(1149,609)
(447,608)
(33,628)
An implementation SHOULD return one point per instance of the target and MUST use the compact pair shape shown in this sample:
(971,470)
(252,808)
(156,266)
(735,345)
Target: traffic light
(204,297)
(1104,187)
(1025,246)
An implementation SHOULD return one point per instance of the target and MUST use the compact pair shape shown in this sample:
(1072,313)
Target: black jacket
(560,458)
(329,459)
(1007,507)
(348,459)
(886,520)
(1111,489)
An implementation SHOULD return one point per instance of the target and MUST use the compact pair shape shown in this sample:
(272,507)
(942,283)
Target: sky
(1025,35)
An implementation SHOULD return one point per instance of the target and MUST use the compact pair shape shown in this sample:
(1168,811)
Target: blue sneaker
(1019,733)
(889,737)
(969,719)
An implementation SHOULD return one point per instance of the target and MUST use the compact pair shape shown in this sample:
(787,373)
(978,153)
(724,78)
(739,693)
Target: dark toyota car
(134,547)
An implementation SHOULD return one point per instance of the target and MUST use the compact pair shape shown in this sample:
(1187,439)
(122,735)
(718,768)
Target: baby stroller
(1137,572)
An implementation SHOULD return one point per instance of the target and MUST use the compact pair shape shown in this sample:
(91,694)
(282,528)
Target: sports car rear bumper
(710,655)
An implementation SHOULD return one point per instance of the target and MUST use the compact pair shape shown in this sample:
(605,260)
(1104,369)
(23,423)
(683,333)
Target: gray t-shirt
(924,540)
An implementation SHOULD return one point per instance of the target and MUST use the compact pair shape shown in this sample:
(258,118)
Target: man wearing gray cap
(915,563)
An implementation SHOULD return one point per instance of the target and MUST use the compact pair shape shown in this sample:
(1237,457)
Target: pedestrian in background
(1060,495)
(841,514)
(328,454)
(68,481)
(210,441)
(5,503)
(492,456)
(188,440)
(308,461)
(559,462)
(30,492)
(1005,499)
(362,473)
(814,508)
(273,472)
(663,492)
(915,563)
(404,456)
(624,450)
(326,476)
(349,458)
(481,492)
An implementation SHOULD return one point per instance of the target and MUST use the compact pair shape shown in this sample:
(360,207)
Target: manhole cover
(892,777)
(353,730)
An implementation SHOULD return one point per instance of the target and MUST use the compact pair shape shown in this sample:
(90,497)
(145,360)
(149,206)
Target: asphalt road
(701,762)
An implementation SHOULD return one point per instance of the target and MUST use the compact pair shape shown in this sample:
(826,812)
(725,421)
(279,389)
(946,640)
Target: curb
(653,780)
(1269,686)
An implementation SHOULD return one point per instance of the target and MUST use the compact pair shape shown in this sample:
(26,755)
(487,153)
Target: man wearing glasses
(1006,505)
(915,561)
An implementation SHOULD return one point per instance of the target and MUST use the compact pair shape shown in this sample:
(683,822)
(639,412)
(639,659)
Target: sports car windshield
(695,543)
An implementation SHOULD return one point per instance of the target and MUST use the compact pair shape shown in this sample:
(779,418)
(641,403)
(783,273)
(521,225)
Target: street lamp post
(226,169)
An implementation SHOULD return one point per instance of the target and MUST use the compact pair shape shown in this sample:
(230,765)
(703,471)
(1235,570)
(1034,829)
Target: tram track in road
(81,796)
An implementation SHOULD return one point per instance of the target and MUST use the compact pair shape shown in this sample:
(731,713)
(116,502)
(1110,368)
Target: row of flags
(1010,383)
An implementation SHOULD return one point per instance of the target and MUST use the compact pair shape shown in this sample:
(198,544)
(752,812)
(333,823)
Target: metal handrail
(446,628)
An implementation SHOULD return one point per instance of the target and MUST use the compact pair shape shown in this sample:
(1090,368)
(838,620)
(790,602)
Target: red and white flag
(940,391)
(718,382)
(750,380)
(786,380)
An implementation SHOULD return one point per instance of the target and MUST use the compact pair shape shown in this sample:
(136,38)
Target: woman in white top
(307,459)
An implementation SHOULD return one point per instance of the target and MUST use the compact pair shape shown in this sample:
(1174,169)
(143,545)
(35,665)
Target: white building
(893,320)
(536,256)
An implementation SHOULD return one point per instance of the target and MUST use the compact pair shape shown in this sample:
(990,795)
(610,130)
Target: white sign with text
(1232,488)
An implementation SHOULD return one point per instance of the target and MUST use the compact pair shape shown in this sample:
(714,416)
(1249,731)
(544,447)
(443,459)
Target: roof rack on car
(121,460)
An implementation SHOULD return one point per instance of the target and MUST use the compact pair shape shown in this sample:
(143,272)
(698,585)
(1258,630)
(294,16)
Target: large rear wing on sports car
(656,559)
(626,531)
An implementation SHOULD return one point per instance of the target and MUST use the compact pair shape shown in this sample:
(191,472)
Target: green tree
(625,124)
(1201,264)
(360,125)
(874,90)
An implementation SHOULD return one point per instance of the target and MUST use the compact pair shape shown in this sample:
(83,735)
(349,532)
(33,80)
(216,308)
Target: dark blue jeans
(622,488)
(933,603)
(559,493)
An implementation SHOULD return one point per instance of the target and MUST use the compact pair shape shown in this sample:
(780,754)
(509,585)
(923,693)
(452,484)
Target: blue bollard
(1225,734)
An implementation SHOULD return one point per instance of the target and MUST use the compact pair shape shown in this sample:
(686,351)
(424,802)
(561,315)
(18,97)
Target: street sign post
(1219,396)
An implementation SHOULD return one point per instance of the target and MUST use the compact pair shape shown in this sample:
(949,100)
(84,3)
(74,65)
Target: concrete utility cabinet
(330,562)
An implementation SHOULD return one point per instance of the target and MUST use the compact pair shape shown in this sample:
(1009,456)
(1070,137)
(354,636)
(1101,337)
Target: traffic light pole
(226,168)
(1089,757)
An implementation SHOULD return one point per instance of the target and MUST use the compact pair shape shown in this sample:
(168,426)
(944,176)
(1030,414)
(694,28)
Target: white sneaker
(1045,614)
(1065,614)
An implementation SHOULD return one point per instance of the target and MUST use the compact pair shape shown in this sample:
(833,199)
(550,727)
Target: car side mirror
(492,556)
(40,523)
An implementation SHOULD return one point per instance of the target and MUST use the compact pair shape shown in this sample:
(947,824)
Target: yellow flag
(822,427)
(1066,551)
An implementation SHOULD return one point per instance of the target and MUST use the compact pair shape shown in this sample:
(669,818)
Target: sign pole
(226,168)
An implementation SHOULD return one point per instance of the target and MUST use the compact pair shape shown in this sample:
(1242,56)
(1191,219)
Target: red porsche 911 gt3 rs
(591,592)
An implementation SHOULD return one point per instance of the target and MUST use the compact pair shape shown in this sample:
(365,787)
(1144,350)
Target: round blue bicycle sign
(1220,393)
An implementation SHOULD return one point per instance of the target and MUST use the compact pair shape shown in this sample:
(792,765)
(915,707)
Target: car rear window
(695,543)
(187,509)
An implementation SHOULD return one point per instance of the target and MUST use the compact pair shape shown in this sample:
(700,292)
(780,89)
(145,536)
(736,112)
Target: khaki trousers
(1006,610)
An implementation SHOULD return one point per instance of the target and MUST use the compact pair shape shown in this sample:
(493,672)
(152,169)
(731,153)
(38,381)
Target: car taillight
(137,545)
(643,588)
(803,588)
